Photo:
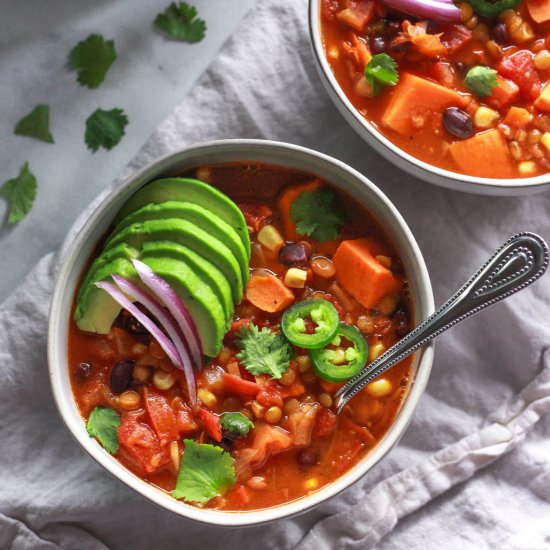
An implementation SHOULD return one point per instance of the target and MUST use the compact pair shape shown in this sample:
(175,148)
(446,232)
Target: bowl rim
(57,354)
(423,170)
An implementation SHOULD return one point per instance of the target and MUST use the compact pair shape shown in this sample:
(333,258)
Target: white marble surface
(150,75)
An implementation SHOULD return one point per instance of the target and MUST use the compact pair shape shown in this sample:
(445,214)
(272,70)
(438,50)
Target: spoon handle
(515,265)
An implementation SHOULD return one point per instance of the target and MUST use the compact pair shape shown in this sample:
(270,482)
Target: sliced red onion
(440,11)
(155,331)
(137,294)
(168,297)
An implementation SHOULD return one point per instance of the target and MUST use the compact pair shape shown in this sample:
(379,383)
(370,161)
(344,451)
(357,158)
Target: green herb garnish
(36,124)
(92,58)
(20,192)
(317,214)
(481,80)
(205,472)
(105,128)
(102,423)
(180,21)
(236,423)
(263,351)
(380,71)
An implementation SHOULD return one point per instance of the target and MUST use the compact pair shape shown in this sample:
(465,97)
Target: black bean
(293,254)
(307,457)
(226,444)
(458,122)
(461,68)
(121,375)
(401,322)
(83,371)
(499,33)
(129,323)
(378,44)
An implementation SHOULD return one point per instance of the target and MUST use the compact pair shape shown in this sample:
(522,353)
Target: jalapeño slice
(311,323)
(344,361)
(488,8)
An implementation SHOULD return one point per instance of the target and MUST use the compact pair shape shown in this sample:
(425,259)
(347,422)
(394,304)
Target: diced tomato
(520,68)
(329,9)
(229,339)
(211,424)
(357,14)
(325,423)
(293,390)
(186,423)
(239,495)
(140,447)
(444,73)
(235,384)
(504,94)
(270,395)
(330,387)
(163,418)
(348,456)
(255,215)
(455,37)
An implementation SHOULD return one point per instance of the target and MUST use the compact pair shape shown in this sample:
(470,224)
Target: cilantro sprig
(92,58)
(102,423)
(180,21)
(381,71)
(20,192)
(236,423)
(36,124)
(206,471)
(263,351)
(105,128)
(318,214)
(481,80)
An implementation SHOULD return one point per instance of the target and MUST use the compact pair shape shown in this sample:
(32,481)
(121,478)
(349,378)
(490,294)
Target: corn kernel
(527,168)
(545,140)
(311,484)
(542,60)
(304,362)
(273,415)
(207,397)
(270,237)
(129,400)
(333,53)
(163,380)
(376,350)
(485,117)
(295,278)
(380,387)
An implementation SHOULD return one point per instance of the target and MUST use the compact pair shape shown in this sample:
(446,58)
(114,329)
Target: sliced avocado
(205,270)
(189,235)
(198,215)
(190,190)
(95,310)
(203,305)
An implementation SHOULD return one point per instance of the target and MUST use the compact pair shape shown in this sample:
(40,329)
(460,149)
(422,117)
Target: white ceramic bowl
(285,155)
(401,159)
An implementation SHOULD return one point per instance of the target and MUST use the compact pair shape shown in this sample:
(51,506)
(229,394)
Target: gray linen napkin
(478,421)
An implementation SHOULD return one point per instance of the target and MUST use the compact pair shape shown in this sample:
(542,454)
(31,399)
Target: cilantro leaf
(20,193)
(236,423)
(92,58)
(481,80)
(102,423)
(380,71)
(105,128)
(317,214)
(36,124)
(263,351)
(180,21)
(205,472)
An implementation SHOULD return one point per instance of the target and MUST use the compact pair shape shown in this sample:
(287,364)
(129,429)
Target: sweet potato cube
(361,274)
(542,103)
(414,100)
(480,154)
(268,293)
(518,117)
(539,10)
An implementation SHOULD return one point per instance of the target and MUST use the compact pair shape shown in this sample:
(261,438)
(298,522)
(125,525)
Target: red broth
(335,444)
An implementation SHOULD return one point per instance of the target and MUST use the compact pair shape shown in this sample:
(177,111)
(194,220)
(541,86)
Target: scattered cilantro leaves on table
(105,128)
(317,214)
(205,472)
(380,71)
(481,80)
(102,423)
(92,58)
(20,192)
(36,124)
(236,423)
(180,21)
(263,351)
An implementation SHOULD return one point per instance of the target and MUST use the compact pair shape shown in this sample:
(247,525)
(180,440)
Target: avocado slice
(205,270)
(189,235)
(190,190)
(203,305)
(196,214)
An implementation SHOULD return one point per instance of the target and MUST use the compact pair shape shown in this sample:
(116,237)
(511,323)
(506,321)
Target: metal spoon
(520,261)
